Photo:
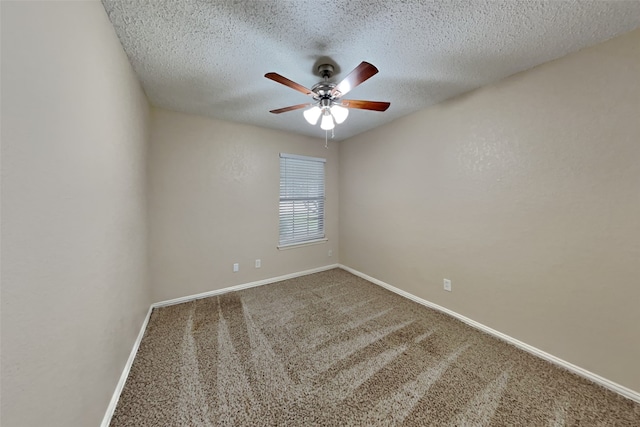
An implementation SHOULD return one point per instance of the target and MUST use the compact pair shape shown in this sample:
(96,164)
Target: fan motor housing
(323,89)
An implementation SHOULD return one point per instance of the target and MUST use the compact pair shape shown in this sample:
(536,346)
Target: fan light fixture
(334,113)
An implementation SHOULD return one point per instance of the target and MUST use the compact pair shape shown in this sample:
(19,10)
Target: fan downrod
(323,89)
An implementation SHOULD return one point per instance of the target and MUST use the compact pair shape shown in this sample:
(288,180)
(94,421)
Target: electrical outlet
(236,267)
(330,253)
(258,263)
(447,285)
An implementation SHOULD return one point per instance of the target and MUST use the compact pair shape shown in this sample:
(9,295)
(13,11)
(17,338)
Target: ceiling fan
(327,96)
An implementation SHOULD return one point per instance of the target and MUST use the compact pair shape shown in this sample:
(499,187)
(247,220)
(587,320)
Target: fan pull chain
(326,137)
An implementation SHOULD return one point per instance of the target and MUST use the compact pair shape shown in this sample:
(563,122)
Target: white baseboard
(125,372)
(622,390)
(243,286)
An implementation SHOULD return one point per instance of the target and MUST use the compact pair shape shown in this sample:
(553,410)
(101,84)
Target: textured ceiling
(209,57)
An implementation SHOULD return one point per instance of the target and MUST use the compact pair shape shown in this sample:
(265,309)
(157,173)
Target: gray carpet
(332,349)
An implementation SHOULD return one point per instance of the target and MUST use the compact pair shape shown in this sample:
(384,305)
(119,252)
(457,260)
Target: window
(301,199)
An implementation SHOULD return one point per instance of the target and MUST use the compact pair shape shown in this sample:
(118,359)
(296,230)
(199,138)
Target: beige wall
(526,194)
(74,290)
(214,188)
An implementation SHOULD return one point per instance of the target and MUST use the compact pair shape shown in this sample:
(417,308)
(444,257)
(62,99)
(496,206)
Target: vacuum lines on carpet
(331,349)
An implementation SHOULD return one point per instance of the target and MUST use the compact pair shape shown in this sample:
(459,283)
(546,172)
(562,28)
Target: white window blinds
(301,199)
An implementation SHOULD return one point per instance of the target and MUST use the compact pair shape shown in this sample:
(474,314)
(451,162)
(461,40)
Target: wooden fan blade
(285,81)
(360,74)
(291,108)
(365,105)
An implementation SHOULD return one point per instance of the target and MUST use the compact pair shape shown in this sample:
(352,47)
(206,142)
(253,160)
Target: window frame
(286,186)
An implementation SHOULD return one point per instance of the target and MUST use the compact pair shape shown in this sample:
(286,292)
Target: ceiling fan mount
(323,89)
(325,70)
(327,96)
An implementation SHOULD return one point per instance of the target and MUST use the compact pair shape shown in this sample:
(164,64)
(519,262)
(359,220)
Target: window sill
(307,243)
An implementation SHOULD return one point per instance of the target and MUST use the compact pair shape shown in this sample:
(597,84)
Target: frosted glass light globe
(339,113)
(327,122)
(312,115)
